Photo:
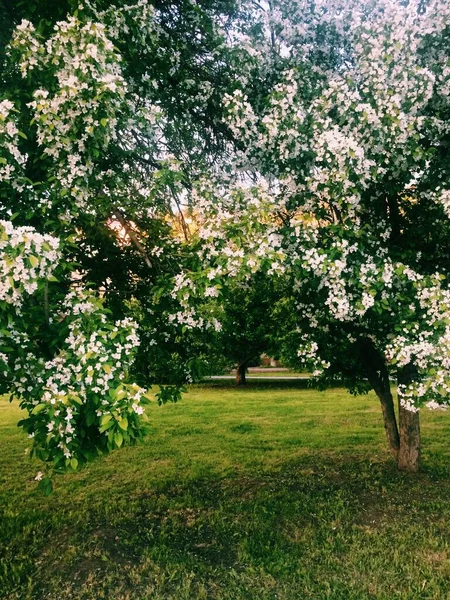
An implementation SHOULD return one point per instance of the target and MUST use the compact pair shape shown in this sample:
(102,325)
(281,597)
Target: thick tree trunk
(409,455)
(378,376)
(240,374)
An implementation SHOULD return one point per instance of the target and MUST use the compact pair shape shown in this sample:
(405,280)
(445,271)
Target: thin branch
(182,219)
(133,237)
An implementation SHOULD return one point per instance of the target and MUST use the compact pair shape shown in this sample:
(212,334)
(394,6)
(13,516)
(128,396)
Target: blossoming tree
(95,101)
(340,183)
(59,354)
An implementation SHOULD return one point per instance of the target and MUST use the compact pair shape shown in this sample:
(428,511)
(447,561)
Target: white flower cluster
(309,355)
(26,258)
(236,236)
(11,158)
(340,144)
(26,41)
(238,228)
(361,124)
(136,19)
(85,383)
(425,343)
(85,380)
(76,117)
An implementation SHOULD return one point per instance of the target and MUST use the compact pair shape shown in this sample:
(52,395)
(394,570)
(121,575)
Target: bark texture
(409,454)
(390,422)
(378,375)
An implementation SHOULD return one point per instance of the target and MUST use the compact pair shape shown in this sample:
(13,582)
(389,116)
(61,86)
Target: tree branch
(133,237)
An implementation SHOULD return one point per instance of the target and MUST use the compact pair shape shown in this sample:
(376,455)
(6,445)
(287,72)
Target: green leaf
(118,439)
(107,426)
(73,463)
(34,261)
(90,418)
(105,419)
(39,408)
(123,423)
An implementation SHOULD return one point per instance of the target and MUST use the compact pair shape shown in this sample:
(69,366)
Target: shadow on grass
(312,509)
(258,384)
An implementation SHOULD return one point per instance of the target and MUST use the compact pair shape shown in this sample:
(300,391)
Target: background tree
(245,313)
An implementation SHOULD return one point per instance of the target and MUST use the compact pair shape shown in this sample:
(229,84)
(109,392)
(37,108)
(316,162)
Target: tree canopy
(312,140)
(106,112)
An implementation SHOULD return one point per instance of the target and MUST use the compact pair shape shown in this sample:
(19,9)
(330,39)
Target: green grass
(272,492)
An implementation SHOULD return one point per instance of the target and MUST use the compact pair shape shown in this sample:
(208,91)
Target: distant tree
(247,327)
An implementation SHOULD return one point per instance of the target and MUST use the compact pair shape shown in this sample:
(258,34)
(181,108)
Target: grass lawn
(271,492)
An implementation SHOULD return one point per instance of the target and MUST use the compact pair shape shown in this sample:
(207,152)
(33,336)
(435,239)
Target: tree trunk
(240,374)
(404,440)
(409,455)
(378,376)
(390,422)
